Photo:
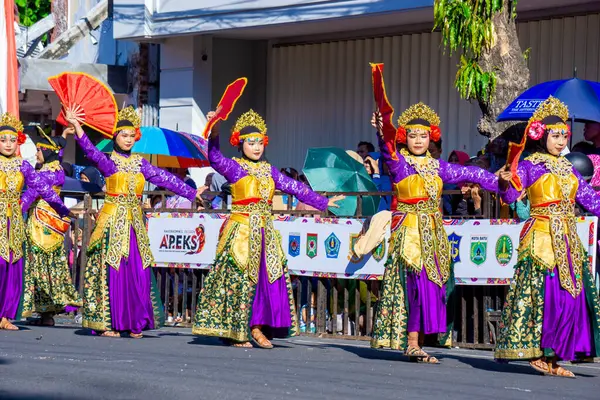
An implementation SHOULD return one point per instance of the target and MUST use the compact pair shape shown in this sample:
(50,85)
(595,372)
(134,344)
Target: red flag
(231,95)
(385,109)
(12,65)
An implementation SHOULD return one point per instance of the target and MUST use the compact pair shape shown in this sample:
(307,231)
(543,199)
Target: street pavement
(65,362)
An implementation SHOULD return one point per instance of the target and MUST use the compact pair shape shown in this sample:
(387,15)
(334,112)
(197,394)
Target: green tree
(31,11)
(493,68)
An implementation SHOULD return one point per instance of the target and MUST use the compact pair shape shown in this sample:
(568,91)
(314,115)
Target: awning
(34,74)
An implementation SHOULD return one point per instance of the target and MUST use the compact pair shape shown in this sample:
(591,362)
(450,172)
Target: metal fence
(326,307)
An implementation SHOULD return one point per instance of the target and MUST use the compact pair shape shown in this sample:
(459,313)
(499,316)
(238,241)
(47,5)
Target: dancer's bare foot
(260,339)
(111,334)
(245,345)
(136,335)
(6,325)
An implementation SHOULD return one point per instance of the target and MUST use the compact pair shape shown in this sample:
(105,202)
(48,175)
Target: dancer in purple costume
(552,310)
(48,288)
(418,284)
(120,292)
(14,173)
(249,287)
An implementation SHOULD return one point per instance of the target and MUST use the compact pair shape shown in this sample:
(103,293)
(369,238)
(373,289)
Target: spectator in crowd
(282,201)
(470,204)
(591,133)
(378,171)
(183,174)
(435,149)
(290,172)
(520,208)
(450,201)
(586,148)
(68,168)
(364,148)
(301,206)
(92,175)
(496,152)
(218,184)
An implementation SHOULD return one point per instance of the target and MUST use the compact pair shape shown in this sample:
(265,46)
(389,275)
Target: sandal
(136,335)
(260,339)
(550,369)
(111,334)
(6,325)
(417,354)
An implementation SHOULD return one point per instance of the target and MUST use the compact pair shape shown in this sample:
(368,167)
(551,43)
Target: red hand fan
(384,107)
(94,99)
(231,95)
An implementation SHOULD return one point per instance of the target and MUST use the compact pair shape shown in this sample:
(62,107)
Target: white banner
(484,251)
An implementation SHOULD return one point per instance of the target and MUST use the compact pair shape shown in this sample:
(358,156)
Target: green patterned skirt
(137,308)
(225,304)
(391,316)
(48,287)
(521,329)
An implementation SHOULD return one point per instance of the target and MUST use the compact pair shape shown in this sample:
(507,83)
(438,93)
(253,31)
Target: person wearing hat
(418,283)
(552,310)
(14,172)
(119,284)
(249,289)
(48,288)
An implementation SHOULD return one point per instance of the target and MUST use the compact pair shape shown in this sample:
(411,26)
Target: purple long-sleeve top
(42,188)
(449,173)
(233,172)
(52,178)
(530,173)
(154,175)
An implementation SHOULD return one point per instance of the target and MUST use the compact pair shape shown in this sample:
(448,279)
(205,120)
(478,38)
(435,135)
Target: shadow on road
(4,395)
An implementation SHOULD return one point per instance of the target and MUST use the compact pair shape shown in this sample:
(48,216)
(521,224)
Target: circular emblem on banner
(504,250)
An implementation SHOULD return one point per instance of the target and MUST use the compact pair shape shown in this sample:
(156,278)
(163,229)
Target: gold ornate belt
(435,249)
(259,218)
(423,206)
(565,240)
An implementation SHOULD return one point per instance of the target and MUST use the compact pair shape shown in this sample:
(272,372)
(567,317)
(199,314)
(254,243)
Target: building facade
(308,62)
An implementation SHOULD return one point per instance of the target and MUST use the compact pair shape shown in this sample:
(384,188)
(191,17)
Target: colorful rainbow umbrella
(166,148)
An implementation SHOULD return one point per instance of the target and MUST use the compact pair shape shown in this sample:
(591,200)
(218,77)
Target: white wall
(185,83)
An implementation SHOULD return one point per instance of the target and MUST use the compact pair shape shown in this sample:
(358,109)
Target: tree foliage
(31,11)
(467,27)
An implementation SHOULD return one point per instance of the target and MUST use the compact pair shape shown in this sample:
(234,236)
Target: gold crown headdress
(248,119)
(129,114)
(551,107)
(418,111)
(129,118)
(10,124)
(51,145)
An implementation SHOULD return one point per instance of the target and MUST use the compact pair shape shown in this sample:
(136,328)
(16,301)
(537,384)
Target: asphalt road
(66,363)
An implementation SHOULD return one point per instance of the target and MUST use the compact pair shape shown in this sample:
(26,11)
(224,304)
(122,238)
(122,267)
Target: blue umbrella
(167,148)
(581,97)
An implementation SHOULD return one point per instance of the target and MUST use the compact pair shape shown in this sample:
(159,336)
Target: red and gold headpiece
(418,117)
(10,125)
(129,119)
(551,115)
(249,125)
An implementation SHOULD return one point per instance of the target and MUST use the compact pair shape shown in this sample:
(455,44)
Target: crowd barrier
(327,305)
